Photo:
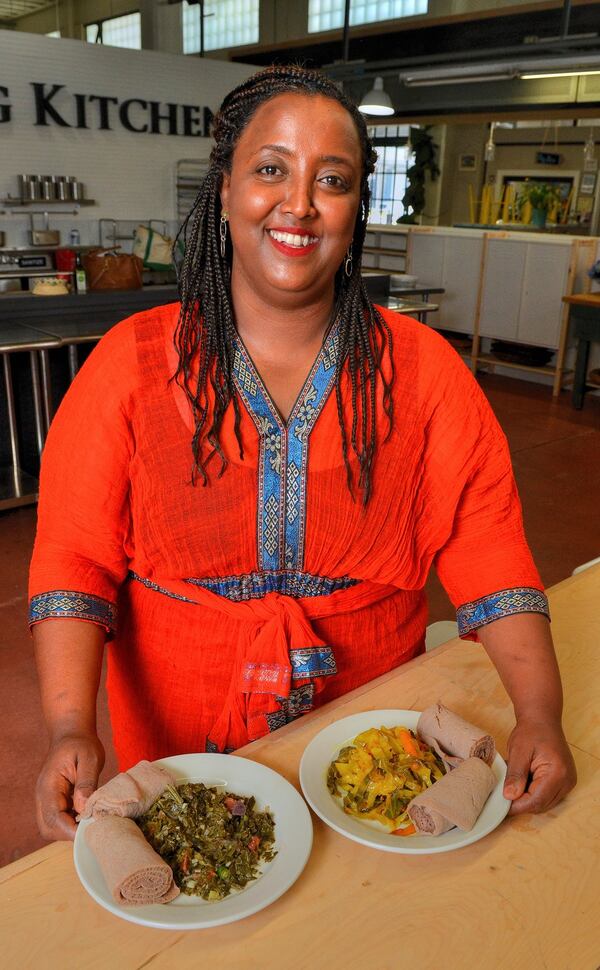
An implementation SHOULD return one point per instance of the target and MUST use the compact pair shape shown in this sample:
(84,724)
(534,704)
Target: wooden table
(584,325)
(524,898)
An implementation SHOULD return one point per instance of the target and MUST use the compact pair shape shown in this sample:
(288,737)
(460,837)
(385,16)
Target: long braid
(205,332)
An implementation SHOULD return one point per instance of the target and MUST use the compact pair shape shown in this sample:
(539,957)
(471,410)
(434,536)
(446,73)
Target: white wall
(131,176)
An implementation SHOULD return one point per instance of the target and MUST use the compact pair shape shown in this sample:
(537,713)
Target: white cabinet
(451,260)
(522,288)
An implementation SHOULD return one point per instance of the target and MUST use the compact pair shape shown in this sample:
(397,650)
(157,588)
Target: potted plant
(542,198)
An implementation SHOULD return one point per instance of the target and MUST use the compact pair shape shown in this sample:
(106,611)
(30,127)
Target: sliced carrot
(409,830)
(408,743)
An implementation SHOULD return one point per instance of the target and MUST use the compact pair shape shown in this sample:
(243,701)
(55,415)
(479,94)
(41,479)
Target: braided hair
(206,328)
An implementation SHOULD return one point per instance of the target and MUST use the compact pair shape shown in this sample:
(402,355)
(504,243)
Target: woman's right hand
(68,777)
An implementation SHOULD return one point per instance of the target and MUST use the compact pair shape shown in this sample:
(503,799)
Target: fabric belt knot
(283,667)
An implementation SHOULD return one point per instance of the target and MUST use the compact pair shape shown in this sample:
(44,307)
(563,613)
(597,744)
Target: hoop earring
(348,263)
(223,232)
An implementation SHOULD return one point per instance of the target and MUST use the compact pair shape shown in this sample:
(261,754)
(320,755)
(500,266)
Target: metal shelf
(21,203)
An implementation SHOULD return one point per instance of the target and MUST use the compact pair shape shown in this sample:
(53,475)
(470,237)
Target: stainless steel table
(16,486)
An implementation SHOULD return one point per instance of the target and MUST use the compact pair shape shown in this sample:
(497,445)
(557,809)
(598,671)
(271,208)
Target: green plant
(540,195)
(424,150)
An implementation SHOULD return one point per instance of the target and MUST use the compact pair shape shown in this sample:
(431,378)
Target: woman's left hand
(541,770)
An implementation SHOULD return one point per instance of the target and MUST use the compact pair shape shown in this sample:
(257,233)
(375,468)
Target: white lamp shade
(376,101)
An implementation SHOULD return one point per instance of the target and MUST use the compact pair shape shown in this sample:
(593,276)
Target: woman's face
(292,195)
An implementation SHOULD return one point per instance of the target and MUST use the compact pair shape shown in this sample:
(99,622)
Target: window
(328,14)
(123,31)
(227,23)
(388,182)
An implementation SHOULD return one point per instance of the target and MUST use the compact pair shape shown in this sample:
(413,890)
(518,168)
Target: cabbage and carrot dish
(380,773)
(213,840)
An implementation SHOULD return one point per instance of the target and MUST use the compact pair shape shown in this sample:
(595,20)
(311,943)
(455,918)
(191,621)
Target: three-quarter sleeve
(484,562)
(80,554)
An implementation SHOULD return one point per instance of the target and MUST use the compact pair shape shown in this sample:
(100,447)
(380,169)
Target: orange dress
(234,607)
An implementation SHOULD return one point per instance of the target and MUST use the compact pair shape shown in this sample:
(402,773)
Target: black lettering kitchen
(55,106)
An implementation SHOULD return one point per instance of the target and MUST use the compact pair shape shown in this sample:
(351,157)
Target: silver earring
(348,265)
(223,232)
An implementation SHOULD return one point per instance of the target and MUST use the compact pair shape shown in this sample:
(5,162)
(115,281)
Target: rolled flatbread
(135,874)
(452,738)
(455,799)
(129,794)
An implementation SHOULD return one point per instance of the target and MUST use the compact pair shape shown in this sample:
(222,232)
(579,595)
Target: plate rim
(135,914)
(399,846)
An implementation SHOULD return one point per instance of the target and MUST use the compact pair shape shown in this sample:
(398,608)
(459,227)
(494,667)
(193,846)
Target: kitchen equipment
(62,189)
(48,188)
(65,260)
(17,269)
(45,236)
(29,188)
(10,285)
(74,188)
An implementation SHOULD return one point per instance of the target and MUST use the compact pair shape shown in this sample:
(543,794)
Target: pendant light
(489,153)
(589,149)
(376,101)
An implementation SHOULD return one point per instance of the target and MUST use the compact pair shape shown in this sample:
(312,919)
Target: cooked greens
(380,772)
(213,840)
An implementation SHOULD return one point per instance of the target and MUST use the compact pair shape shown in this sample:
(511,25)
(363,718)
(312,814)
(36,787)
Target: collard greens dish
(213,840)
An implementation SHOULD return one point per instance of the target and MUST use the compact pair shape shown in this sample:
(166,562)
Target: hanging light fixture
(589,149)
(376,101)
(489,152)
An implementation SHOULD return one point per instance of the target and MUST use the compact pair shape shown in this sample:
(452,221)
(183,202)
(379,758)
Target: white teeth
(291,240)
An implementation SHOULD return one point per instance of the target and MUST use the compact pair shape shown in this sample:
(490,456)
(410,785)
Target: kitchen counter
(523,898)
(100,307)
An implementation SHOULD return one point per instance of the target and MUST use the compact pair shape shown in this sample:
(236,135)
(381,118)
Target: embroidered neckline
(283,453)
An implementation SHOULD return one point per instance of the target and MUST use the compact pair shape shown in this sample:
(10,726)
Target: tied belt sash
(281,664)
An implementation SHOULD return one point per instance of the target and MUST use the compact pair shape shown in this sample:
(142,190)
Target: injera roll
(129,794)
(455,799)
(452,738)
(135,874)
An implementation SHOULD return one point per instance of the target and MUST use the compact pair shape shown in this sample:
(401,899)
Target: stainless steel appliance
(17,268)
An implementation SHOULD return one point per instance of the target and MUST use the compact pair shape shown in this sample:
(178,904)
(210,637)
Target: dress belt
(281,664)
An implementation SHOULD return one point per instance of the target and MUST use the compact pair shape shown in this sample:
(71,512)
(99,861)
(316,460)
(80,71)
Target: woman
(289,566)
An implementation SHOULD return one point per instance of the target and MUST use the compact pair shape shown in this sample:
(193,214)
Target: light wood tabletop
(526,897)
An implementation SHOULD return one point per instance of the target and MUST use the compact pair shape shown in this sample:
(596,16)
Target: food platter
(293,842)
(313,778)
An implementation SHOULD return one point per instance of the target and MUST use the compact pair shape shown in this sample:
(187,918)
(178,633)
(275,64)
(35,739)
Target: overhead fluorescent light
(531,77)
(377,101)
(415,81)
(575,64)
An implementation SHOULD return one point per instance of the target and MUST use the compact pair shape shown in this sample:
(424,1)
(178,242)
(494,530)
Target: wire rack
(189,175)
(121,232)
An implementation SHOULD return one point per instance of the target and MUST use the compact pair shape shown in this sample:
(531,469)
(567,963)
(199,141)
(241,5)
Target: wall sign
(548,158)
(55,106)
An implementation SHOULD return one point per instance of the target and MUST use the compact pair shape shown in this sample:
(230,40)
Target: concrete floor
(556,457)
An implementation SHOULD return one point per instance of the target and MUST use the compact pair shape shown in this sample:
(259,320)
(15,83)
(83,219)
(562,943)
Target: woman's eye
(269,170)
(335,181)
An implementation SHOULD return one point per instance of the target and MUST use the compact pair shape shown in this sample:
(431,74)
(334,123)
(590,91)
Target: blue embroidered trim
(283,454)
(255,585)
(523,599)
(211,748)
(159,589)
(66,603)
(312,662)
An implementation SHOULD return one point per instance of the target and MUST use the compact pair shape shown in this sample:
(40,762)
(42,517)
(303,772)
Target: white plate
(293,841)
(323,748)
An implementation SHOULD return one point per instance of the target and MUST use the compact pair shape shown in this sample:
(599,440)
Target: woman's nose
(299,198)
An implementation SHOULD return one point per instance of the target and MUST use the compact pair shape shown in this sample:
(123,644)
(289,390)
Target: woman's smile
(293,241)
